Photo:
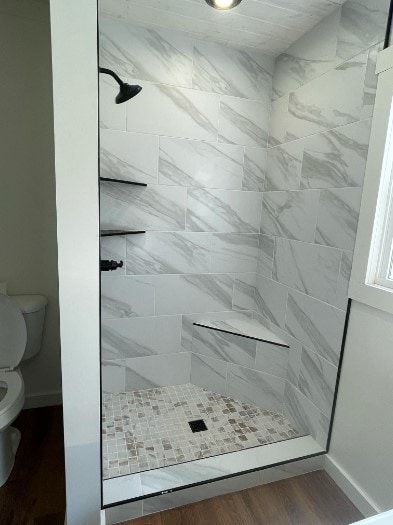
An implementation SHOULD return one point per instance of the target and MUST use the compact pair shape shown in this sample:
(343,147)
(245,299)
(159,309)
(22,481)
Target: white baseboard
(350,488)
(43,399)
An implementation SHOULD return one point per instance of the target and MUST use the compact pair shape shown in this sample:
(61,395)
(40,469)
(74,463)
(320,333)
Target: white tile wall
(251,205)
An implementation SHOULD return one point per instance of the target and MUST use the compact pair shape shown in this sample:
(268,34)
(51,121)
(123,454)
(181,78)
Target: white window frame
(367,283)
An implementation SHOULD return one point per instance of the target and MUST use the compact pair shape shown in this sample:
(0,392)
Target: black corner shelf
(120,181)
(113,233)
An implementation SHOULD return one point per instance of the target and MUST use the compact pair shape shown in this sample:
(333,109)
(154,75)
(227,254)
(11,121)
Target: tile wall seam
(266,105)
(337,66)
(302,293)
(309,400)
(319,356)
(291,288)
(234,364)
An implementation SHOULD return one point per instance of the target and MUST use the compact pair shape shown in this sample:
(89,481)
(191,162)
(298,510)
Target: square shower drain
(197,426)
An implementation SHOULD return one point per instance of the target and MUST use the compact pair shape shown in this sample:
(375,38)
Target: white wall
(28,251)
(362,440)
(74,50)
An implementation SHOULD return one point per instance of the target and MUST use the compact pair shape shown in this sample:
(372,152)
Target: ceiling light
(223,4)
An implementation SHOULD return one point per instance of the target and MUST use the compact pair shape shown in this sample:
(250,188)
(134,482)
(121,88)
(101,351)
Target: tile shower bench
(248,328)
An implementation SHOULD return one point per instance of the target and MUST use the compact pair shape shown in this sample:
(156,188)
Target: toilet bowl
(14,341)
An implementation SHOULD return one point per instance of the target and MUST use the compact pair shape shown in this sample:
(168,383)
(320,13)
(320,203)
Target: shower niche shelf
(248,328)
(113,233)
(121,181)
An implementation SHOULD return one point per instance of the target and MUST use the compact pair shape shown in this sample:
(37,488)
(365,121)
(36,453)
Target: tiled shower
(230,307)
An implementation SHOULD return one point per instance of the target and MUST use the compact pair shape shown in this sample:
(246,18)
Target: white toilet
(21,325)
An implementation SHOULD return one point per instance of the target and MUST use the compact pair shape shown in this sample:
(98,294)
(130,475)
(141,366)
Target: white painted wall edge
(383,519)
(43,399)
(75,90)
(350,488)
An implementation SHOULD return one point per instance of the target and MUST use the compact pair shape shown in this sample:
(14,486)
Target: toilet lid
(13,335)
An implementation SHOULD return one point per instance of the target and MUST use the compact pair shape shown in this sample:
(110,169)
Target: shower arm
(112,74)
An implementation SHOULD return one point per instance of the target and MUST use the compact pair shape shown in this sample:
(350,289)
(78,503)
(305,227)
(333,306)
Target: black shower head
(127,92)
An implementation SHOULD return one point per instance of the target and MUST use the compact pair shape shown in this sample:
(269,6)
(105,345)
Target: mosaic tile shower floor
(149,429)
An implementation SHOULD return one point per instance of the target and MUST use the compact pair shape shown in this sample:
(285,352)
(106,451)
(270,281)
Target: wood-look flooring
(35,492)
(311,499)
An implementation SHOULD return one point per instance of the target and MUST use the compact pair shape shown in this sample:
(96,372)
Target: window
(372,273)
(383,232)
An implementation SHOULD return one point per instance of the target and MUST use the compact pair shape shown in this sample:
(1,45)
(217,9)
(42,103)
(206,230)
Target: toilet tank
(33,310)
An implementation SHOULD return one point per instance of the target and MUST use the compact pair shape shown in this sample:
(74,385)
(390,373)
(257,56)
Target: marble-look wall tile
(308,58)
(271,300)
(223,211)
(148,208)
(337,158)
(265,255)
(168,253)
(115,515)
(224,346)
(338,217)
(188,323)
(209,373)
(174,112)
(123,296)
(113,377)
(243,121)
(256,388)
(114,248)
(234,252)
(232,72)
(332,100)
(140,337)
(278,121)
(113,9)
(343,280)
(183,294)
(254,169)
(290,214)
(244,291)
(370,83)
(158,56)
(128,156)
(272,359)
(295,348)
(295,468)
(112,115)
(284,165)
(305,416)
(317,325)
(317,380)
(294,362)
(142,373)
(363,23)
(309,268)
(200,164)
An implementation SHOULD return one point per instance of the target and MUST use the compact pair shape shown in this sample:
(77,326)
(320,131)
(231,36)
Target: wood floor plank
(311,499)
(153,519)
(36,487)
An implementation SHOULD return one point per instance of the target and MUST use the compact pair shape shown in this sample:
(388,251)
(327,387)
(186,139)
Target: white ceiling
(271,26)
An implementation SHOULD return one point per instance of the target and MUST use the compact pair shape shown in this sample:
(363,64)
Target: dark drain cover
(197,426)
